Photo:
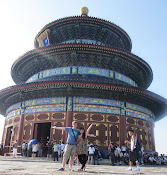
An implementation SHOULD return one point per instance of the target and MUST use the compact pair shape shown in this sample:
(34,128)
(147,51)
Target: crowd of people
(76,150)
(52,149)
(117,155)
(120,156)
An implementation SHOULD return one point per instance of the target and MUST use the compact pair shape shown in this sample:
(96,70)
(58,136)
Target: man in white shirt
(165,160)
(151,160)
(118,149)
(55,150)
(123,148)
(133,154)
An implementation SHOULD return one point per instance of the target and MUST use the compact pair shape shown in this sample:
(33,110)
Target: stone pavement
(42,166)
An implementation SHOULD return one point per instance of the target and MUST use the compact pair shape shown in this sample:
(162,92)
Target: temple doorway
(42,132)
(8,139)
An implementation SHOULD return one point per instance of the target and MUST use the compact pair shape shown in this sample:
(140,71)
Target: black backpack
(138,145)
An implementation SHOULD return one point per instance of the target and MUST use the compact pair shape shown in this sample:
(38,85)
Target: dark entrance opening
(42,134)
(8,139)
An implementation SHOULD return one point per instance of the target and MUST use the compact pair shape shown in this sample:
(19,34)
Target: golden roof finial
(84,11)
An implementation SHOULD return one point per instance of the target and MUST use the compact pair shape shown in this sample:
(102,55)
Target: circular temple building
(81,69)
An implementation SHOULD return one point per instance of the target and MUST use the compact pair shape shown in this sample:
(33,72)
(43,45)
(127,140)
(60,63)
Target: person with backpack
(71,146)
(134,152)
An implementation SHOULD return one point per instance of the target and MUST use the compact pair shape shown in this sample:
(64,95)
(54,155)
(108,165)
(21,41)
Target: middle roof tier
(82,55)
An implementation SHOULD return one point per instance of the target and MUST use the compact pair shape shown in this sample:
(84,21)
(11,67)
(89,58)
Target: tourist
(151,160)
(126,158)
(96,155)
(15,149)
(29,150)
(49,149)
(123,148)
(91,151)
(40,149)
(100,155)
(145,159)
(82,150)
(34,150)
(55,150)
(24,149)
(62,146)
(71,146)
(133,154)
(121,156)
(158,160)
(118,150)
(165,160)
(112,154)
(141,156)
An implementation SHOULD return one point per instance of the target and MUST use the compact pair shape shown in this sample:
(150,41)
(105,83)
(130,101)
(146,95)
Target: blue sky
(143,20)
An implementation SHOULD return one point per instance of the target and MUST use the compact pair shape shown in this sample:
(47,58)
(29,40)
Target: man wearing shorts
(71,145)
(133,154)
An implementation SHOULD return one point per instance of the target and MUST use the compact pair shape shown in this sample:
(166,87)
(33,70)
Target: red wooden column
(21,132)
(3,137)
(122,123)
(2,141)
(122,129)
(35,130)
(69,118)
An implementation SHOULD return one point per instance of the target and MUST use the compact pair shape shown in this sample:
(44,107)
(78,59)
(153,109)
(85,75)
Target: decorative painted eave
(63,48)
(158,103)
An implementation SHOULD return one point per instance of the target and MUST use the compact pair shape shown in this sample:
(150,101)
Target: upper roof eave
(66,47)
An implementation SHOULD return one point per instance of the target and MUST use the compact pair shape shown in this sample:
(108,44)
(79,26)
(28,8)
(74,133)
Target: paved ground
(29,166)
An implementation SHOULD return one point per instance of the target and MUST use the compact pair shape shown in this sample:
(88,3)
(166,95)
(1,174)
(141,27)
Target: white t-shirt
(62,147)
(118,150)
(152,159)
(34,149)
(123,148)
(91,150)
(132,143)
(165,159)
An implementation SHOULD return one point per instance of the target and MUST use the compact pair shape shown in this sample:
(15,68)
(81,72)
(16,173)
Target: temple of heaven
(81,69)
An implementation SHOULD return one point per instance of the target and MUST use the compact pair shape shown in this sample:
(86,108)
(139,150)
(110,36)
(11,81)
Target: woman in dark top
(82,148)
(49,151)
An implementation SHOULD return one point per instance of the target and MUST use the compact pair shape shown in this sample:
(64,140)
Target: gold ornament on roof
(84,11)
